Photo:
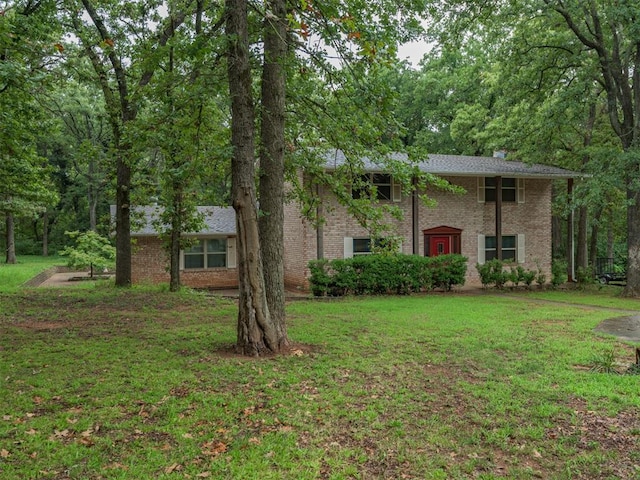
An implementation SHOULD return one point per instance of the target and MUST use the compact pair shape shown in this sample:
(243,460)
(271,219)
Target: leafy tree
(91,250)
(122,69)
(25,190)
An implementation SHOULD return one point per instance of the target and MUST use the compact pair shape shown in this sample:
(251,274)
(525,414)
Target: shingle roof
(218,221)
(463,165)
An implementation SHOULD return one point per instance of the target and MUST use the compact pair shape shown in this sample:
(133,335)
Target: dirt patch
(587,430)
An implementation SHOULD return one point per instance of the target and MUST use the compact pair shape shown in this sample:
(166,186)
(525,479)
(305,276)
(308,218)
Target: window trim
(519,188)
(519,247)
(395,189)
(230,254)
(349,250)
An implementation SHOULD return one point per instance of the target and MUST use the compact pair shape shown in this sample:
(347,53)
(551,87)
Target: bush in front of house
(381,274)
(496,273)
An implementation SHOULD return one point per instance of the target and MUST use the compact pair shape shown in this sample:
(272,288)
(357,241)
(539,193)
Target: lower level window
(509,248)
(206,253)
(361,246)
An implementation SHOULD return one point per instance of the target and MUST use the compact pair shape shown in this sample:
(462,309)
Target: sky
(413,52)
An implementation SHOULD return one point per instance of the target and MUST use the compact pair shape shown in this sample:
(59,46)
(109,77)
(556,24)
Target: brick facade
(532,218)
(149,264)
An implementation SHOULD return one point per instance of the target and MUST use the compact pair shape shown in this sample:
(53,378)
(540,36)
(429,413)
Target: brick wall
(149,264)
(531,218)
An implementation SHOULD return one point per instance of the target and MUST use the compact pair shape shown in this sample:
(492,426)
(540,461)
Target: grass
(113,384)
(12,276)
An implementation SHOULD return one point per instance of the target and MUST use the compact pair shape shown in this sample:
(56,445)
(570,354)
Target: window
(386,189)
(508,248)
(512,189)
(209,253)
(363,246)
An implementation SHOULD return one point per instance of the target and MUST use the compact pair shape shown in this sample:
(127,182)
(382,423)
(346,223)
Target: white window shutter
(181,259)
(396,191)
(521,251)
(481,249)
(481,191)
(348,247)
(232,261)
(399,247)
(520,190)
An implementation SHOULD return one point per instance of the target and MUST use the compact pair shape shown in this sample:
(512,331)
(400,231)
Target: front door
(439,245)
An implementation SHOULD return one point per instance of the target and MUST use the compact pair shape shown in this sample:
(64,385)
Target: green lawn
(124,384)
(12,276)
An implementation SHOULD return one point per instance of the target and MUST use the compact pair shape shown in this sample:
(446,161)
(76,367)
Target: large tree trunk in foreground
(271,222)
(256,332)
(10,237)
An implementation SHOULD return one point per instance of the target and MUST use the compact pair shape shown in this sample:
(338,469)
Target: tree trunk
(45,234)
(271,221)
(633,243)
(123,222)
(593,241)
(557,237)
(92,197)
(256,332)
(174,239)
(10,238)
(582,261)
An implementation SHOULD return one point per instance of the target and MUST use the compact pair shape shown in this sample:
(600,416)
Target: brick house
(210,262)
(469,224)
(505,211)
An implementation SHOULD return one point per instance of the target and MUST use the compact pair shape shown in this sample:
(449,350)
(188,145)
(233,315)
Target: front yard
(102,383)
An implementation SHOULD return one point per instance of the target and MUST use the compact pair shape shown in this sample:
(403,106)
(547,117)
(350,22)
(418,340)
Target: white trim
(396,190)
(232,259)
(481,250)
(481,189)
(348,247)
(520,190)
(520,253)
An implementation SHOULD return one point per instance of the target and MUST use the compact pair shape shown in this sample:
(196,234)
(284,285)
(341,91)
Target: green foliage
(604,361)
(380,274)
(558,272)
(91,250)
(496,273)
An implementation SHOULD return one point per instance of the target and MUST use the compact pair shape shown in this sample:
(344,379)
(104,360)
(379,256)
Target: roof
(463,165)
(218,221)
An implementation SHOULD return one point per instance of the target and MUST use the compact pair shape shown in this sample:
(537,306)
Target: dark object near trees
(607,271)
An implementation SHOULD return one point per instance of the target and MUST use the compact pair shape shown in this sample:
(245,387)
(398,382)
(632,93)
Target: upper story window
(385,187)
(512,189)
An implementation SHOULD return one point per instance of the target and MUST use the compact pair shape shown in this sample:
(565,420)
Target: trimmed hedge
(381,274)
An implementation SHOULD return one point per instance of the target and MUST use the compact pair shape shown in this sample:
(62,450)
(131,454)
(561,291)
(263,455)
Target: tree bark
(10,256)
(593,241)
(582,260)
(256,332)
(620,77)
(174,239)
(45,234)
(271,220)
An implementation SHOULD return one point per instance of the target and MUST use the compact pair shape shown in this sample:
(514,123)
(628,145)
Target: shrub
(386,274)
(558,272)
(91,251)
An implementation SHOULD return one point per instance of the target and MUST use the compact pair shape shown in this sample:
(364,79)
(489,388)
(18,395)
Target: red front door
(439,245)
